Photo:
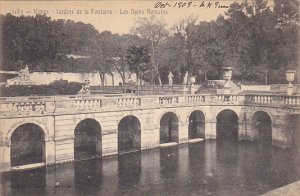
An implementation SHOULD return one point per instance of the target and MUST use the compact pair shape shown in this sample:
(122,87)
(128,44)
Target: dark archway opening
(196,125)
(27,145)
(262,125)
(169,128)
(88,140)
(129,135)
(227,126)
(293,126)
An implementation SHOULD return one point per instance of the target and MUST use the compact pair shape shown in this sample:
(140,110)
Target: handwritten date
(187,4)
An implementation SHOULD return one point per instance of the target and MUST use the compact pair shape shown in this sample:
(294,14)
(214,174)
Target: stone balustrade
(292,101)
(168,100)
(16,106)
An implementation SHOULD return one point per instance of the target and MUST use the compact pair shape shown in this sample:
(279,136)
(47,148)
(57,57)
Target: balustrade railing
(292,101)
(169,100)
(69,104)
(129,101)
(196,99)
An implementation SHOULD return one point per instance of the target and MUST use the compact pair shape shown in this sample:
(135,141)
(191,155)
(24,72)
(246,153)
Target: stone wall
(59,119)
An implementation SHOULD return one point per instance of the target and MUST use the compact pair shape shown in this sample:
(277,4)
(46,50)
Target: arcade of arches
(28,140)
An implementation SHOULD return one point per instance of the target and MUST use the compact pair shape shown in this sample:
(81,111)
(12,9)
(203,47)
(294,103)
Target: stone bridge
(48,130)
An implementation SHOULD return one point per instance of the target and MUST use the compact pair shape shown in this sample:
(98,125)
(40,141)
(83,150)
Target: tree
(138,59)
(153,30)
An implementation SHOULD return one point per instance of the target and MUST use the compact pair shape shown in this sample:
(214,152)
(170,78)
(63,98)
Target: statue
(85,89)
(24,73)
(185,78)
(170,77)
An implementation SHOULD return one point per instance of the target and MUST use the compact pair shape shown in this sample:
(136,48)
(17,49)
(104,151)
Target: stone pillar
(5,158)
(249,132)
(210,129)
(110,143)
(149,138)
(49,152)
(64,149)
(281,137)
(183,134)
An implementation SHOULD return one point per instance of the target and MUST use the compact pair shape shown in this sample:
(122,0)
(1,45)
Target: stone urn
(227,73)
(192,80)
(290,77)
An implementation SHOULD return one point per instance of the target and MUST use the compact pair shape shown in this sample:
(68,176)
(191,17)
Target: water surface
(208,168)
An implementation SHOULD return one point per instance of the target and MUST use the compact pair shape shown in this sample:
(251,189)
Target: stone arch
(87,139)
(181,120)
(196,124)
(169,128)
(27,121)
(27,145)
(250,117)
(129,134)
(190,111)
(215,115)
(262,126)
(227,125)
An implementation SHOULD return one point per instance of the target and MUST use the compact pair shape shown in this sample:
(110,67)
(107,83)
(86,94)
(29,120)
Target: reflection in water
(129,169)
(88,176)
(208,168)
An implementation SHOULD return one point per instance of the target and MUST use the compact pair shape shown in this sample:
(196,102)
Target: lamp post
(290,76)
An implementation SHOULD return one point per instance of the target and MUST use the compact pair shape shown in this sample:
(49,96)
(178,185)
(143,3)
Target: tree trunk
(102,77)
(112,79)
(123,79)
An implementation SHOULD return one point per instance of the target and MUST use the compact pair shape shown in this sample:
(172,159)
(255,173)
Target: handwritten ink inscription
(187,4)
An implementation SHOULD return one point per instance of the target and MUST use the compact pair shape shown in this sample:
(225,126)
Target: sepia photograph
(147,97)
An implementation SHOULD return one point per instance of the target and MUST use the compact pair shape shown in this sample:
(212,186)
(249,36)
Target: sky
(116,16)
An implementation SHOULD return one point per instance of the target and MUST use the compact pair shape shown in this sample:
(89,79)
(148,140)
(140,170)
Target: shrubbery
(61,87)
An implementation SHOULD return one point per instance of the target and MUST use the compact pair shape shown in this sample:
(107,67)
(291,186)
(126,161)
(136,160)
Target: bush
(56,88)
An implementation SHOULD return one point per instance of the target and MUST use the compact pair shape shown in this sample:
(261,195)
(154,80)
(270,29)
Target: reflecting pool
(207,168)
